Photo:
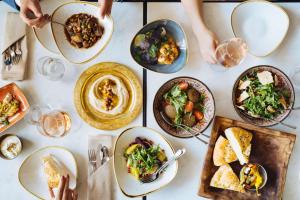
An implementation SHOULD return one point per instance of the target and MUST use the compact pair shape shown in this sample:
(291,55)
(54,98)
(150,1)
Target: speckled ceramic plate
(209,104)
(283,80)
(101,120)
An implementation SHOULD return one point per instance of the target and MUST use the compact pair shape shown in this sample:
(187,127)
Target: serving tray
(270,148)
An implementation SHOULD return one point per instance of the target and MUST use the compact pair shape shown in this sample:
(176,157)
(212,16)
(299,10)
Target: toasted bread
(52,170)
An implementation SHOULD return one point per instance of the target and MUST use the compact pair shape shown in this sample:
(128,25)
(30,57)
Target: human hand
(105,7)
(64,192)
(31,13)
(208,42)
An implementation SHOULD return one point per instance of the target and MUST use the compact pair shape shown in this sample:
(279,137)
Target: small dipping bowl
(261,171)
(5,138)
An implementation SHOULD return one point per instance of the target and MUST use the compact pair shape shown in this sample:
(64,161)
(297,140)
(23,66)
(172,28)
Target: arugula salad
(184,105)
(261,95)
(143,157)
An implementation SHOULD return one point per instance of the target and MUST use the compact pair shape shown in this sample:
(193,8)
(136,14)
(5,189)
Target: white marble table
(128,20)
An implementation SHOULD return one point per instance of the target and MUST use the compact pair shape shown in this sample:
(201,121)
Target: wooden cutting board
(270,148)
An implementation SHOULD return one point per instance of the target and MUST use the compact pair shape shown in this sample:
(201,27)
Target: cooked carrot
(183,85)
(189,106)
(199,115)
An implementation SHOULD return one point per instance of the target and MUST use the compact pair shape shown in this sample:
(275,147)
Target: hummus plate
(91,105)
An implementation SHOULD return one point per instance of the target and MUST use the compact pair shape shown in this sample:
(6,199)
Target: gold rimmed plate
(101,120)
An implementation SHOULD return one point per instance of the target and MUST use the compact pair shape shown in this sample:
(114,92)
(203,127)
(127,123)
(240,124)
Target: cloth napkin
(101,183)
(15,29)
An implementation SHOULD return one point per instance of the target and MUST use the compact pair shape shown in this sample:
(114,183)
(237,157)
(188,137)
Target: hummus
(109,95)
(11,147)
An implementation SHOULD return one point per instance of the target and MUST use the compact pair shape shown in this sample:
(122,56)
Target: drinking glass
(295,76)
(52,68)
(232,52)
(50,122)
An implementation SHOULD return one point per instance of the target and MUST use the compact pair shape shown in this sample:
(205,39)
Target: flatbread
(52,170)
(223,153)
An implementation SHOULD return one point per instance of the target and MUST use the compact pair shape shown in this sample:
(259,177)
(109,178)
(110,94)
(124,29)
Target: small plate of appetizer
(160,46)
(13,106)
(182,105)
(139,152)
(263,95)
(79,33)
(246,162)
(44,168)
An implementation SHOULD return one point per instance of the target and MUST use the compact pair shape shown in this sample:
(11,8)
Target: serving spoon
(185,128)
(152,177)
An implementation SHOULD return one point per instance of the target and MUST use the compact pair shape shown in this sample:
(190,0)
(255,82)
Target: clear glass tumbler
(52,68)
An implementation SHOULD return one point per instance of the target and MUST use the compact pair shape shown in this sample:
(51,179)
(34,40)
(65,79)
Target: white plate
(127,183)
(71,53)
(31,173)
(263,25)
(44,35)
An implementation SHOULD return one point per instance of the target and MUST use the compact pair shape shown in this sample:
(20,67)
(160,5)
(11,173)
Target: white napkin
(15,29)
(101,183)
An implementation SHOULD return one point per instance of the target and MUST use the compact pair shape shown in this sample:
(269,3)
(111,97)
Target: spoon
(105,157)
(55,22)
(183,127)
(152,177)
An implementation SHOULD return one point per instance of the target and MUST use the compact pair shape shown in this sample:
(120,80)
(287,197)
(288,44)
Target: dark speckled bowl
(176,31)
(283,79)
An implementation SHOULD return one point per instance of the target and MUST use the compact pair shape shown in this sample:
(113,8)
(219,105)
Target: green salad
(143,158)
(261,95)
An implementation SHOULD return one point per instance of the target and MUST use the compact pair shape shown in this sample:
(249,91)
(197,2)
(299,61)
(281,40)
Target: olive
(193,95)
(170,111)
(189,120)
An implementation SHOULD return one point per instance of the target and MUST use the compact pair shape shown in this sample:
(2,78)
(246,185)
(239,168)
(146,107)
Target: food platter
(270,148)
(100,120)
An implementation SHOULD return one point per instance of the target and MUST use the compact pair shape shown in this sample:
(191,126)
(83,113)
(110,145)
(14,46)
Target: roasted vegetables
(9,106)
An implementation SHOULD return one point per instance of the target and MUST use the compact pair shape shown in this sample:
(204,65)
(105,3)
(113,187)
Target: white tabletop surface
(128,20)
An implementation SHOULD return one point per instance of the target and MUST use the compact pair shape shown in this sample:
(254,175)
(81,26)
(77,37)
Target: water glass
(52,68)
(295,76)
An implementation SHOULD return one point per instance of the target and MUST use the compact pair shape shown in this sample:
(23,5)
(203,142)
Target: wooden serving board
(270,148)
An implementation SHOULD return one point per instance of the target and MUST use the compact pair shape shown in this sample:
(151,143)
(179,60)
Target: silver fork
(92,159)
(18,51)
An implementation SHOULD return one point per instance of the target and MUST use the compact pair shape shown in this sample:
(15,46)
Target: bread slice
(240,141)
(52,170)
(223,153)
(225,178)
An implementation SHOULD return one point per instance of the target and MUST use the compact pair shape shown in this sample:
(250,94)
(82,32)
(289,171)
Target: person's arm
(105,7)
(207,40)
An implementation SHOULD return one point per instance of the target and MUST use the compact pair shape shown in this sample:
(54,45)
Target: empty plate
(71,53)
(32,176)
(263,25)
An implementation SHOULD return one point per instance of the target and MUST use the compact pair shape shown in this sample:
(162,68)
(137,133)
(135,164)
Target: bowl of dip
(10,146)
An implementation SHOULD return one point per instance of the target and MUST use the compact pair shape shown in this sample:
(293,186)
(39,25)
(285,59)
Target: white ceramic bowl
(71,53)
(31,173)
(262,24)
(127,183)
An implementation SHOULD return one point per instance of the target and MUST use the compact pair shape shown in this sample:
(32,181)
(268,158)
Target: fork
(18,51)
(92,159)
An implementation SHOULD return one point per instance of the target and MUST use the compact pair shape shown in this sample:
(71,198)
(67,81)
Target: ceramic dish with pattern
(262,32)
(13,106)
(263,95)
(32,173)
(128,184)
(160,46)
(108,96)
(70,52)
(192,105)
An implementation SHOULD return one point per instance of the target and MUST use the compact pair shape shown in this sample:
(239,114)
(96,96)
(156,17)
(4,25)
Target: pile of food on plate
(237,146)
(109,95)
(53,170)
(9,106)
(156,46)
(261,94)
(184,105)
(83,30)
(143,157)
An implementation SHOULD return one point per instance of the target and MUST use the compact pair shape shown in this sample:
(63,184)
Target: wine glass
(50,122)
(231,52)
(52,68)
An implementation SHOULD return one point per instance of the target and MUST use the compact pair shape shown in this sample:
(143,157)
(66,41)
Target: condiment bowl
(2,138)
(262,171)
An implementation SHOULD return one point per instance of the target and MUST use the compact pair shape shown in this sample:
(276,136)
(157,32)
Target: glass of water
(295,76)
(52,68)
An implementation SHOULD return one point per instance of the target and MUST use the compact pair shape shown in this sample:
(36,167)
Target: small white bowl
(31,173)
(130,186)
(262,24)
(71,53)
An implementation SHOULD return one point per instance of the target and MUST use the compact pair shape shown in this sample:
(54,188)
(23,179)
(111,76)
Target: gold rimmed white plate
(32,177)
(262,24)
(71,53)
(101,120)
